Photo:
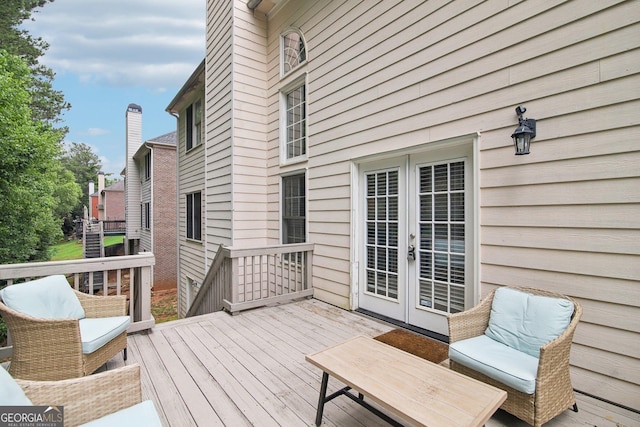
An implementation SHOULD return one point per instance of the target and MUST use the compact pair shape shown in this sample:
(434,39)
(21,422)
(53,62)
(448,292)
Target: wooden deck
(249,369)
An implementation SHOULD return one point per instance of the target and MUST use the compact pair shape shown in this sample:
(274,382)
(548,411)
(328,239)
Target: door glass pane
(382,233)
(442,237)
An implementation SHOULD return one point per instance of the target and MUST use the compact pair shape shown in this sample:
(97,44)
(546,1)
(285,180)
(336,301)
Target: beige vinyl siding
(394,75)
(191,178)
(217,193)
(191,263)
(145,197)
(249,128)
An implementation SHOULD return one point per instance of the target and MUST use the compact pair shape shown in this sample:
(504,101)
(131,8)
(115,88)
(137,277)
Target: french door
(416,242)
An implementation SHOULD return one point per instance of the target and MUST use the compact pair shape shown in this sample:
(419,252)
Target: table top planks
(415,389)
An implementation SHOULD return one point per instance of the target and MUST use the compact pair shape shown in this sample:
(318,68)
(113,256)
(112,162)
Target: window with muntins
(194,216)
(383,215)
(296,123)
(293,209)
(442,236)
(194,124)
(294,51)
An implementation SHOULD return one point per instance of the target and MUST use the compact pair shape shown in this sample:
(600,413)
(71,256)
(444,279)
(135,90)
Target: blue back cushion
(48,298)
(10,392)
(525,322)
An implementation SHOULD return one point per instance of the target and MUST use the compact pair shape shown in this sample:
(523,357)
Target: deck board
(249,369)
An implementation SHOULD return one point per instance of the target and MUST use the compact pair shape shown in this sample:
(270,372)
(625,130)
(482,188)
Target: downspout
(152,202)
(252,4)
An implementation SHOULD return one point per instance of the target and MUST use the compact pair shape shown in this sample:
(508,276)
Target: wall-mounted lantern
(524,133)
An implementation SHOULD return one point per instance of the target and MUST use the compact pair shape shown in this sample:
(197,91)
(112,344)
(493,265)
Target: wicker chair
(114,394)
(553,390)
(48,349)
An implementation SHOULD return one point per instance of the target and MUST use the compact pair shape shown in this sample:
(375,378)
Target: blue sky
(109,53)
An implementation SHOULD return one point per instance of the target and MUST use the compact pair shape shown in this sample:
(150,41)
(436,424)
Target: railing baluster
(80,270)
(131,292)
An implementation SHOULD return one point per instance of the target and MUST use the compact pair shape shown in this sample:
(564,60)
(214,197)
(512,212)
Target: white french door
(416,243)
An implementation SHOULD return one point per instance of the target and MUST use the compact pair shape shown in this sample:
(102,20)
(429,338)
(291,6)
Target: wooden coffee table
(416,390)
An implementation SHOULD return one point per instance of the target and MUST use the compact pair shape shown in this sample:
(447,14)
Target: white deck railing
(129,275)
(240,279)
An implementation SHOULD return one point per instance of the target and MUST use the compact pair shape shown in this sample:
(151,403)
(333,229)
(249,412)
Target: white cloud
(124,43)
(113,166)
(94,132)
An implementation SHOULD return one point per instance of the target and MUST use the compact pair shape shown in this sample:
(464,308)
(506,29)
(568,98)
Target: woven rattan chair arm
(99,306)
(554,355)
(88,398)
(470,323)
(35,340)
(553,382)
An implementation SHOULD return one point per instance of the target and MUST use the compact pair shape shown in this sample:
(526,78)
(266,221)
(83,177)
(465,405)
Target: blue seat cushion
(142,414)
(50,297)
(526,322)
(11,393)
(509,366)
(96,332)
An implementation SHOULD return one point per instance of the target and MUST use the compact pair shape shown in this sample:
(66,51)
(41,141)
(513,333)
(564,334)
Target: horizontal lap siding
(191,176)
(145,197)
(217,196)
(202,163)
(386,76)
(249,128)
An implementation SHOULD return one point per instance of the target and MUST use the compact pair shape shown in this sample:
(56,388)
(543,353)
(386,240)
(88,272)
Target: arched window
(294,51)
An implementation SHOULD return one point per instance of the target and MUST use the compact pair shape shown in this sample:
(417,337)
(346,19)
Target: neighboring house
(150,181)
(108,203)
(113,197)
(381,132)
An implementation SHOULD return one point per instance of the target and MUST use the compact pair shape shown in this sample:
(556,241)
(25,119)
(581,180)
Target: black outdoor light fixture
(524,133)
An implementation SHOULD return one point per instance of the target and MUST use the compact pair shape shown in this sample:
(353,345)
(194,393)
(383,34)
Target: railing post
(145,294)
(234,280)
(309,270)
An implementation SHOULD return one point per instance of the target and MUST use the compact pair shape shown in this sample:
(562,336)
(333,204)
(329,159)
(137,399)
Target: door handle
(411,253)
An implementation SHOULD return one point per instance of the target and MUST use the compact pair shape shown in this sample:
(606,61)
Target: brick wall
(164,216)
(114,205)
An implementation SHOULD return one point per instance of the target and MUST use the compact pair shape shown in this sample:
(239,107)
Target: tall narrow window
(296,123)
(147,165)
(193,124)
(146,215)
(293,209)
(294,51)
(194,216)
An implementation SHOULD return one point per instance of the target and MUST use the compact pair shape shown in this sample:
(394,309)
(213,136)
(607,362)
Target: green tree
(84,164)
(46,103)
(29,170)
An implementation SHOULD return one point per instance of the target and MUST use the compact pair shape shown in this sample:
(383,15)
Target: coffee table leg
(321,400)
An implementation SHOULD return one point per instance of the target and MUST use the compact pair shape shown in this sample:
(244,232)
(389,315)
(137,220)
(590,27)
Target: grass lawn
(73,249)
(163,303)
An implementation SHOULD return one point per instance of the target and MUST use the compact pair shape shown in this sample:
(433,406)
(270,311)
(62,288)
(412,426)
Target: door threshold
(431,334)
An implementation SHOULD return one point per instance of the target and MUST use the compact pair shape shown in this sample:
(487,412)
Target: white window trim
(281,52)
(306,204)
(293,84)
(195,140)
